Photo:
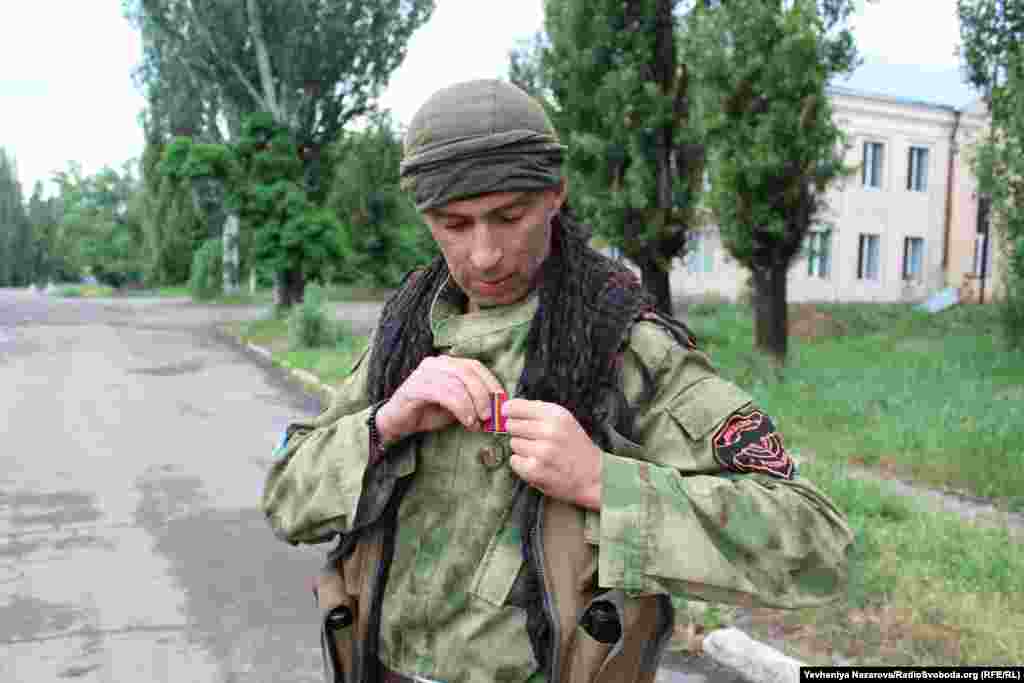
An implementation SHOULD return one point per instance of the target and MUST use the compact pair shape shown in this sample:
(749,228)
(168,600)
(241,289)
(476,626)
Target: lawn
(933,398)
(330,364)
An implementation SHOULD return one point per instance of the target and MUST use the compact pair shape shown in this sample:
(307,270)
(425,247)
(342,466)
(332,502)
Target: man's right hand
(440,391)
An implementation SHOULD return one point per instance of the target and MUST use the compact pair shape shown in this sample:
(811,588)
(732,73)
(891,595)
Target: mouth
(495,285)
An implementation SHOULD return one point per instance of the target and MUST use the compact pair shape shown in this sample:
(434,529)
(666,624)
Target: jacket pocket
(338,612)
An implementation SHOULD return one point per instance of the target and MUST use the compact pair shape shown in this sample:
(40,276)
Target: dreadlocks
(586,304)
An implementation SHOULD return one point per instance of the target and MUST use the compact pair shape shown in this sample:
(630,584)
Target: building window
(917,169)
(819,253)
(874,158)
(913,258)
(700,257)
(867,257)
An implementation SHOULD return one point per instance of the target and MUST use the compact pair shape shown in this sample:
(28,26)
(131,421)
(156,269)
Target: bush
(310,325)
(207,279)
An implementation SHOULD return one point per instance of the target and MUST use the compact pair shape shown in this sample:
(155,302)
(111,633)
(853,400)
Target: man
(538,538)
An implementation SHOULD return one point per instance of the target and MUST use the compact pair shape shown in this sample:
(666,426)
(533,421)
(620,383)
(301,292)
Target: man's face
(495,244)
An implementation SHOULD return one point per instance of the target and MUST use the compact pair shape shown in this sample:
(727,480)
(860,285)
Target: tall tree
(100,231)
(15,239)
(775,149)
(619,94)
(314,65)
(382,235)
(992,34)
(44,218)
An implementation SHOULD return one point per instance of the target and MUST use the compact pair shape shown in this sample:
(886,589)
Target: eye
(510,217)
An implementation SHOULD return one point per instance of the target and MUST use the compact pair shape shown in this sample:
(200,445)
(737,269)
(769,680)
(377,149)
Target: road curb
(729,648)
(752,659)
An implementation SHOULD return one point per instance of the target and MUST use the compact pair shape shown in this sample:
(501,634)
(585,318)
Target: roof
(929,85)
(836,90)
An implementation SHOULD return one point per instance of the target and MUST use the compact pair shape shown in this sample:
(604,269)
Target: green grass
(330,364)
(923,589)
(85,291)
(937,398)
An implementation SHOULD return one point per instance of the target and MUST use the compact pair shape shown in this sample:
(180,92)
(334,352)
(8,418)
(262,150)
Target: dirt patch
(876,634)
(807,322)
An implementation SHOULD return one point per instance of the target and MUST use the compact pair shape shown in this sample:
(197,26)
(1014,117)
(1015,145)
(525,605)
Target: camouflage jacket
(706,506)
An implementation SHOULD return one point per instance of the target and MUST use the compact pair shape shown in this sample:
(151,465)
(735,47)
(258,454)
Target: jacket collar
(452,326)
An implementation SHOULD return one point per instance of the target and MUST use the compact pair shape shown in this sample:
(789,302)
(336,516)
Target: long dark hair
(575,343)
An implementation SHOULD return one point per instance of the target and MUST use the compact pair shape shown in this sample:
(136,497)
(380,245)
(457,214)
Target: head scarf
(475,138)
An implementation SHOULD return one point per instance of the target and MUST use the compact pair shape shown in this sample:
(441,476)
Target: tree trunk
(230,242)
(656,281)
(288,288)
(770,312)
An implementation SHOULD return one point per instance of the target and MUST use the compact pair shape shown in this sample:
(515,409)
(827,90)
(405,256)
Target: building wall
(962,268)
(891,211)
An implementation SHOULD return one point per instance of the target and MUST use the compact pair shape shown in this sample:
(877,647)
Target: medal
(495,424)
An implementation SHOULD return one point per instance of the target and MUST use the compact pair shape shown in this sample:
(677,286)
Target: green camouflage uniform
(678,515)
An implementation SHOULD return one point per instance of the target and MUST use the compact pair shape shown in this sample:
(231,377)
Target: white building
(903,227)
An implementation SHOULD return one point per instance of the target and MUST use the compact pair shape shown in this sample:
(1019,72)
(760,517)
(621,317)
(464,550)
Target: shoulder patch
(748,442)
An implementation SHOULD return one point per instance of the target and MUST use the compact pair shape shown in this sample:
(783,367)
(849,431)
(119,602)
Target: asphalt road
(135,441)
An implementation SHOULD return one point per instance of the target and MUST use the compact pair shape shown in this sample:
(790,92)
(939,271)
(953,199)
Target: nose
(486,253)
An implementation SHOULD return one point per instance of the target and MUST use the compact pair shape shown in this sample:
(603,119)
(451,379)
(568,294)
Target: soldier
(528,461)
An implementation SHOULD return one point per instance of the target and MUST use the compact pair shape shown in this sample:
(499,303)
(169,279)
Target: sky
(66,90)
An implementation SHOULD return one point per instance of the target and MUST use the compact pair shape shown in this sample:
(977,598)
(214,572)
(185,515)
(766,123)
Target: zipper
(537,543)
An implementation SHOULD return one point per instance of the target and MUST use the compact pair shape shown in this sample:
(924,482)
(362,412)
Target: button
(489,458)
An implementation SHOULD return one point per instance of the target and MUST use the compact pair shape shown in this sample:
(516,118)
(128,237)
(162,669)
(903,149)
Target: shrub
(310,325)
(207,279)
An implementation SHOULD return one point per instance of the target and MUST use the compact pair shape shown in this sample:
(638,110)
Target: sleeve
(312,489)
(711,506)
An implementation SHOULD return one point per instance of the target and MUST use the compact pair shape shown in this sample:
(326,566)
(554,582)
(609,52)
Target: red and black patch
(748,442)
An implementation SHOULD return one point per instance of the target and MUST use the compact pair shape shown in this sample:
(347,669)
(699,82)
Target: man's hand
(551,452)
(440,391)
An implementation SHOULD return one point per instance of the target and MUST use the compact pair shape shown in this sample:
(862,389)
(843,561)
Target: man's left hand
(551,452)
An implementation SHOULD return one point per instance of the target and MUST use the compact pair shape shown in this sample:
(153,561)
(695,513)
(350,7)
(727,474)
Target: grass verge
(924,588)
(331,364)
(935,398)
(85,291)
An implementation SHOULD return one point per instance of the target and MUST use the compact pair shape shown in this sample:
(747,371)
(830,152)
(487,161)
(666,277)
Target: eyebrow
(525,199)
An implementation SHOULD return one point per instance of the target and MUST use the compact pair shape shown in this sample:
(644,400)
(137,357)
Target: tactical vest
(586,633)
(596,635)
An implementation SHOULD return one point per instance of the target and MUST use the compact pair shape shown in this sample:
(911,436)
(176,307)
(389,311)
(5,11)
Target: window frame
(819,253)
(867,239)
(922,169)
(908,252)
(877,162)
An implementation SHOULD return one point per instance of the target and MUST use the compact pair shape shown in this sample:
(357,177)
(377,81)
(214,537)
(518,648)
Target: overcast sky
(66,91)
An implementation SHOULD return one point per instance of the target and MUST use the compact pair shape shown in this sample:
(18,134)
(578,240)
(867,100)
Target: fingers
(446,389)
(461,386)
(479,382)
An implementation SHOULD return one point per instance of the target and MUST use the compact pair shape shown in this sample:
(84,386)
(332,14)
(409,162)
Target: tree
(312,65)
(382,236)
(765,66)
(612,79)
(992,32)
(44,219)
(100,231)
(173,221)
(15,236)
